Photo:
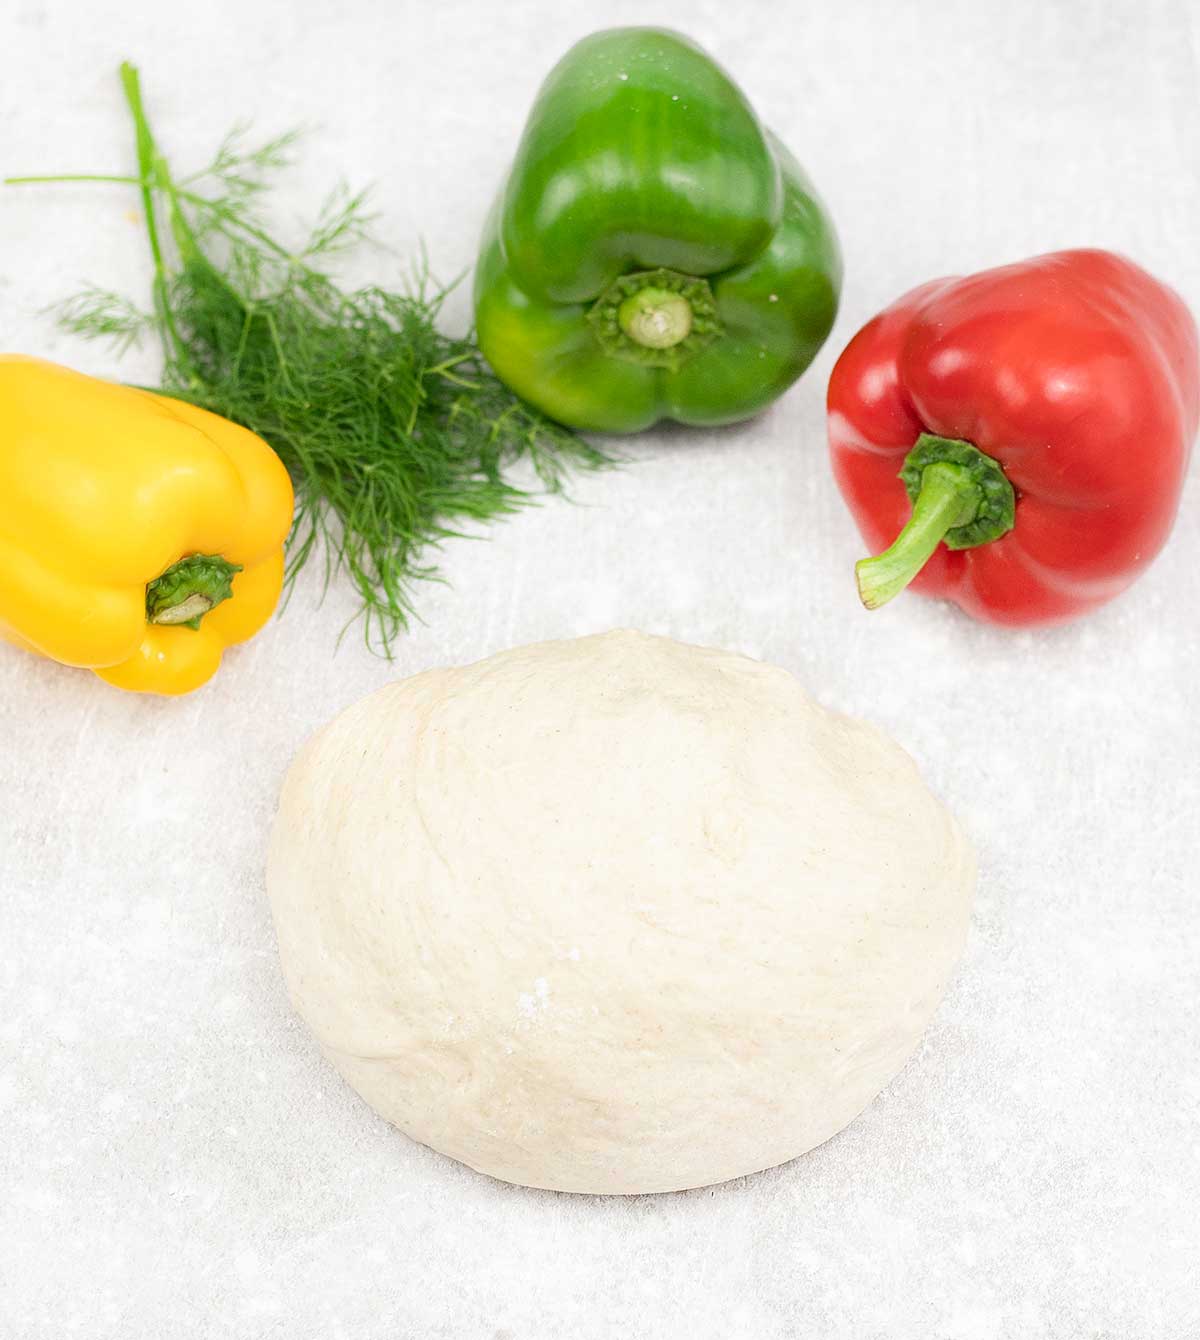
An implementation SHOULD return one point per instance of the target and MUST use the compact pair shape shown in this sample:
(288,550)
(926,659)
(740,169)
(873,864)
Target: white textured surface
(176,1160)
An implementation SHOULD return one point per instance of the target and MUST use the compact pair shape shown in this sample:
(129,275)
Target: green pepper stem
(656,318)
(186,592)
(949,497)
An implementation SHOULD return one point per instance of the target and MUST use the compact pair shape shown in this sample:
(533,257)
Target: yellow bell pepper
(139,536)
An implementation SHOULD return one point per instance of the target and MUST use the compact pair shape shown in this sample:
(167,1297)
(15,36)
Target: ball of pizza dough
(614,914)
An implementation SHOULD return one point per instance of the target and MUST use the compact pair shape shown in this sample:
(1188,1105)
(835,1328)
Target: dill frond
(99,314)
(396,435)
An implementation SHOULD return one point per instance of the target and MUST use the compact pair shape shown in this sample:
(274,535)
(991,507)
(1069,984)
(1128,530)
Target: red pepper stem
(949,497)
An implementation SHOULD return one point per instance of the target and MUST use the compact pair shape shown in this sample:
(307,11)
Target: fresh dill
(395,434)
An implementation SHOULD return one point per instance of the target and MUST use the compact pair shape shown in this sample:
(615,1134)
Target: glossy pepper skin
(1075,377)
(655,253)
(139,536)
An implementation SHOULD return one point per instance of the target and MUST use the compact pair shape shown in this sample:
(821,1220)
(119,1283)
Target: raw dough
(614,914)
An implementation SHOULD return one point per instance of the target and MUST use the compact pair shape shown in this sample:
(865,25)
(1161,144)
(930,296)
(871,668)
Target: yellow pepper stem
(186,592)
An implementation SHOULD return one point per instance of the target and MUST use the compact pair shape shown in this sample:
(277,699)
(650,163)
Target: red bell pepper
(1024,432)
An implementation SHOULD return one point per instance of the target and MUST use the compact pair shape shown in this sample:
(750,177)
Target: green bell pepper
(655,253)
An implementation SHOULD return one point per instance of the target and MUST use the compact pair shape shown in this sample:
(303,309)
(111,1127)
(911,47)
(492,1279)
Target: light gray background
(176,1160)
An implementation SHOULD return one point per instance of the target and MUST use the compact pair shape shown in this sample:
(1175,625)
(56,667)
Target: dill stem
(449,363)
(115,178)
(147,152)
